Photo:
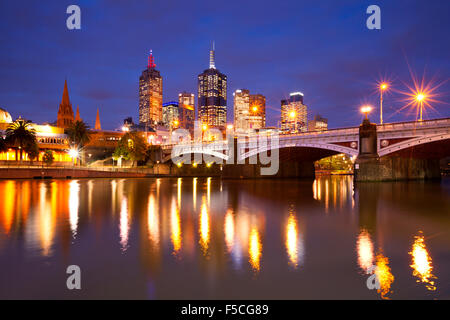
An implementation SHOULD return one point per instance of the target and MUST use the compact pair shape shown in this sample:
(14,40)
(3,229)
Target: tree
(48,157)
(33,151)
(78,134)
(19,135)
(132,146)
(121,152)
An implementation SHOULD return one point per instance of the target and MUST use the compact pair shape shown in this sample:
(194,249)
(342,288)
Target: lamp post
(366,110)
(420,97)
(383,87)
(73,153)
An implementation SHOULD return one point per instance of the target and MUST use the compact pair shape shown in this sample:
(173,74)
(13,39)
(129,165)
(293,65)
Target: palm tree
(19,135)
(78,134)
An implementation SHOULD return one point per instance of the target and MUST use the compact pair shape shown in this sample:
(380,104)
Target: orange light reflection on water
(422,263)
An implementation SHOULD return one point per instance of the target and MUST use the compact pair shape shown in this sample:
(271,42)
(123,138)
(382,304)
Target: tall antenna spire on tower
(212,64)
(151,61)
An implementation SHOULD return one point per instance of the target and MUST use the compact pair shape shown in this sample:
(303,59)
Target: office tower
(186,109)
(171,117)
(241,110)
(257,112)
(249,111)
(65,112)
(293,114)
(150,95)
(212,96)
(318,124)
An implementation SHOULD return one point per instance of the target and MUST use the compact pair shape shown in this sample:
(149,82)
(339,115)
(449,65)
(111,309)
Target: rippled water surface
(191,238)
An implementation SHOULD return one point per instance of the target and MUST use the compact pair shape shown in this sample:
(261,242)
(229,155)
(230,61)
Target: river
(207,238)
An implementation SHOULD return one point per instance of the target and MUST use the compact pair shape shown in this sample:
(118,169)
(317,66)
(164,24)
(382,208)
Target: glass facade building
(212,96)
(249,111)
(171,115)
(294,114)
(186,106)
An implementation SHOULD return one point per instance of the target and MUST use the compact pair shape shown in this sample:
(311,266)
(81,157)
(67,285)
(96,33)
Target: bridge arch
(411,143)
(328,149)
(209,152)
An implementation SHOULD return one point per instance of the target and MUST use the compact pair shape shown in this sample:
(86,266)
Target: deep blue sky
(320,47)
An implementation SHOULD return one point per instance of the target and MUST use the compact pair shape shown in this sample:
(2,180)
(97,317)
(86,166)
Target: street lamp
(383,87)
(366,110)
(420,97)
(73,153)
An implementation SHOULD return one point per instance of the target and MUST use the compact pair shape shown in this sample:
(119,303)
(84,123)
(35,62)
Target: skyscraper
(65,112)
(294,114)
(212,96)
(186,106)
(249,111)
(171,115)
(150,95)
(257,112)
(241,110)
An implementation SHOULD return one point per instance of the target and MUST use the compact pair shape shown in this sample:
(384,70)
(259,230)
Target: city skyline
(273,63)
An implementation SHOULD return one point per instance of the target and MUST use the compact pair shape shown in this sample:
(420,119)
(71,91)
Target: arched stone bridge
(430,138)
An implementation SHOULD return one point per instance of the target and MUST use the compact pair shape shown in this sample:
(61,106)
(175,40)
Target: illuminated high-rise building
(257,112)
(65,112)
(249,111)
(186,109)
(241,110)
(294,114)
(150,95)
(212,96)
(171,115)
(318,124)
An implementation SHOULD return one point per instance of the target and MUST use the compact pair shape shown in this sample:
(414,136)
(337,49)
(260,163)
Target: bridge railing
(407,125)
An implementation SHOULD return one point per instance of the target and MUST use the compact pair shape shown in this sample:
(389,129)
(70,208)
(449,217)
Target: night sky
(320,47)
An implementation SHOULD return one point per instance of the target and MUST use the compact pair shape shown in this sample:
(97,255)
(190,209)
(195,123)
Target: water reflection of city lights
(293,244)
(365,251)
(384,275)
(204,228)
(229,230)
(153,221)
(255,249)
(74,198)
(179,182)
(46,218)
(175,228)
(9,194)
(422,263)
(124,225)
(208,190)
(194,193)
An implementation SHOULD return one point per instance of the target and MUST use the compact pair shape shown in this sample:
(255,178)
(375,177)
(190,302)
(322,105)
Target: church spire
(65,97)
(212,63)
(77,116)
(65,112)
(98,126)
